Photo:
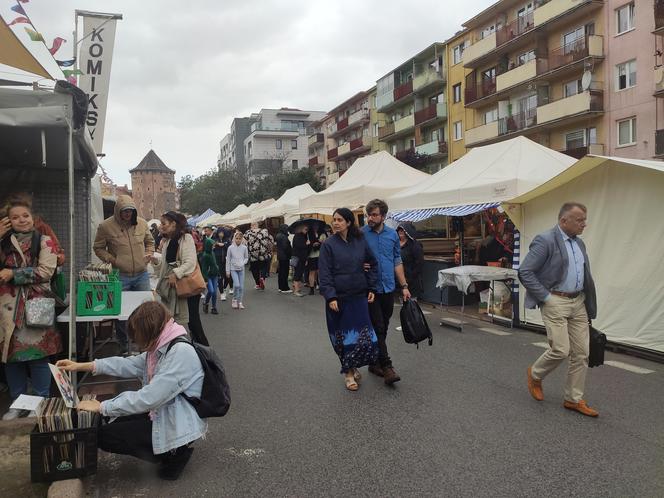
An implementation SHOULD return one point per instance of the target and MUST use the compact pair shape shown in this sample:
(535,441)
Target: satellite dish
(586,80)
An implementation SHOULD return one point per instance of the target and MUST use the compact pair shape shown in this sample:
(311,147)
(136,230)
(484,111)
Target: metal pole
(72,252)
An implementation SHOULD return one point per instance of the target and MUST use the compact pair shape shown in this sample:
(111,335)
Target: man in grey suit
(556,275)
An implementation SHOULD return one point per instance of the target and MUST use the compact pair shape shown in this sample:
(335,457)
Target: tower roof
(152,162)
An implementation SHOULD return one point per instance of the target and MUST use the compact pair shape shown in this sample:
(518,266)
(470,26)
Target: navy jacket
(341,268)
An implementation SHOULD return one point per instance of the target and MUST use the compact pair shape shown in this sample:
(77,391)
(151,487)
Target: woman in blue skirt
(348,275)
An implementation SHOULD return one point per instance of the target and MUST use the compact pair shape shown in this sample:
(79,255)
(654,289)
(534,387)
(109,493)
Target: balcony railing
(476,90)
(434,111)
(570,53)
(432,148)
(659,142)
(403,90)
(357,143)
(341,124)
(385,131)
(519,121)
(332,153)
(316,138)
(579,152)
(589,101)
(427,77)
(659,14)
(343,149)
(517,27)
(358,116)
(313,161)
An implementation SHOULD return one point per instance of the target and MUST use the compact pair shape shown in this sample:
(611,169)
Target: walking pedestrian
(194,302)
(412,256)
(223,239)
(210,272)
(348,290)
(557,278)
(125,241)
(236,259)
(268,242)
(155,423)
(315,241)
(384,243)
(284,254)
(300,254)
(257,245)
(28,260)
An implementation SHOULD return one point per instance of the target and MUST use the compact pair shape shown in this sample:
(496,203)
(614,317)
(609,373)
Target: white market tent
(624,237)
(286,205)
(378,175)
(247,217)
(482,178)
(225,219)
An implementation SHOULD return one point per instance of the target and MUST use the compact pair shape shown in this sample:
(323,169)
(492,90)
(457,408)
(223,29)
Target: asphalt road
(460,423)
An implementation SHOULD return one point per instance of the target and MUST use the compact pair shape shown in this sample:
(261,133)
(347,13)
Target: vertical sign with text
(95,58)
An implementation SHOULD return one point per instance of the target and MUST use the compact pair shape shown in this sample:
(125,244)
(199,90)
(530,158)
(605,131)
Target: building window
(456,93)
(375,129)
(627,132)
(458,130)
(626,75)
(458,52)
(294,164)
(625,18)
(572,88)
(278,144)
(575,140)
(293,144)
(491,116)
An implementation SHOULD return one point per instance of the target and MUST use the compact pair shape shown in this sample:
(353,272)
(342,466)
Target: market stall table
(463,276)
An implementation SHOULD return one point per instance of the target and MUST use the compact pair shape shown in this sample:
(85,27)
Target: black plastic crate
(69,454)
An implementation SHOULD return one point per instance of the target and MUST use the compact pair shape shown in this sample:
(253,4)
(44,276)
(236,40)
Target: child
(236,259)
(210,272)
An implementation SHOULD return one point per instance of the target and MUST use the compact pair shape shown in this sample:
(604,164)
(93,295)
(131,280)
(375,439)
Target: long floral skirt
(351,333)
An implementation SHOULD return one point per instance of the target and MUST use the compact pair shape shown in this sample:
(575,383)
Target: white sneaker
(230,291)
(223,296)
(240,305)
(13,414)
(234,304)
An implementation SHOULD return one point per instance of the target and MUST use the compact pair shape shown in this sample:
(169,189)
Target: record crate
(99,298)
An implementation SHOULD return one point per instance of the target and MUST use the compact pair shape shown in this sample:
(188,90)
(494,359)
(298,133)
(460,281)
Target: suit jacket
(545,266)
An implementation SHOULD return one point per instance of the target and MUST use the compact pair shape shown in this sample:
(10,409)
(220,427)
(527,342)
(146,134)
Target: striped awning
(423,214)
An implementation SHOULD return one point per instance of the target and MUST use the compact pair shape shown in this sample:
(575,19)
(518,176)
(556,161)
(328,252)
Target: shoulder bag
(192,284)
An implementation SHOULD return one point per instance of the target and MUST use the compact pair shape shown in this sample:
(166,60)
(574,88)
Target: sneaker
(240,305)
(14,413)
(214,311)
(223,296)
(312,291)
(298,294)
(234,304)
(261,284)
(289,291)
(257,287)
(230,291)
(206,308)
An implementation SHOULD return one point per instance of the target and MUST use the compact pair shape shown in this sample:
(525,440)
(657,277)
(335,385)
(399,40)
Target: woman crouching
(154,423)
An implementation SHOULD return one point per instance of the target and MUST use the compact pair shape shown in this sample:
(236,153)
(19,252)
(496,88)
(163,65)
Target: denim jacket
(175,422)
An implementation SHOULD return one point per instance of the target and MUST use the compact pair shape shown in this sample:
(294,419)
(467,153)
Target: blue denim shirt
(573,281)
(176,422)
(387,250)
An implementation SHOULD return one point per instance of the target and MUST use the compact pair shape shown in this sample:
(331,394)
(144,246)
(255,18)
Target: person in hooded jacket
(222,240)
(284,253)
(412,255)
(210,272)
(125,241)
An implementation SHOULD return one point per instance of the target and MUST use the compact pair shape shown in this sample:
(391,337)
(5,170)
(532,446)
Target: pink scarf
(170,332)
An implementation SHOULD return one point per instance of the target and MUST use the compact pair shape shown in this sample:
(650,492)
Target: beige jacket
(185,264)
(124,244)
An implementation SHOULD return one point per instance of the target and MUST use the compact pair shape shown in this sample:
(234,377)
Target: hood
(122,202)
(410,230)
(208,245)
(283,229)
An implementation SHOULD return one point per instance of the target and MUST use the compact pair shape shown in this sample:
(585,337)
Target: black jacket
(412,255)
(284,249)
(300,247)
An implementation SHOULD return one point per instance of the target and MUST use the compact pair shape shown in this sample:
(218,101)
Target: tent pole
(72,252)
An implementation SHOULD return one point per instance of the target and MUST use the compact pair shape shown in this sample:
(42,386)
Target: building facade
(231,147)
(278,141)
(153,187)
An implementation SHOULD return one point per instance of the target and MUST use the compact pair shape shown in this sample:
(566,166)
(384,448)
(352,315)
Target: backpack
(215,397)
(413,324)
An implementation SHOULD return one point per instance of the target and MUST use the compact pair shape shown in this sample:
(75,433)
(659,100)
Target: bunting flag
(71,72)
(19,20)
(68,63)
(57,43)
(19,10)
(34,36)
(71,79)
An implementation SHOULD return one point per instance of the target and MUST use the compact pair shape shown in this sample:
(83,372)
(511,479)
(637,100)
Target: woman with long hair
(155,423)
(348,289)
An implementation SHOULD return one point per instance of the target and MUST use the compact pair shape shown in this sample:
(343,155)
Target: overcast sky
(183,70)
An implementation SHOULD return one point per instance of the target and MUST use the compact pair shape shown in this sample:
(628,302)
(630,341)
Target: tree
(416,159)
(273,186)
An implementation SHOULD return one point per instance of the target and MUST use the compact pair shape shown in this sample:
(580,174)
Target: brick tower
(153,187)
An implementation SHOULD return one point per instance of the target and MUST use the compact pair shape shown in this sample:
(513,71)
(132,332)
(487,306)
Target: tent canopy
(248,216)
(377,175)
(288,203)
(622,240)
(194,220)
(489,174)
(218,219)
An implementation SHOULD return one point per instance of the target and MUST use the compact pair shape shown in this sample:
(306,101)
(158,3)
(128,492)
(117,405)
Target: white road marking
(399,328)
(426,312)
(628,367)
(451,320)
(544,345)
(494,331)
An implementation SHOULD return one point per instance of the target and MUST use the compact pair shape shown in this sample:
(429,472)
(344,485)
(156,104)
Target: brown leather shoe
(376,370)
(535,386)
(581,407)
(390,376)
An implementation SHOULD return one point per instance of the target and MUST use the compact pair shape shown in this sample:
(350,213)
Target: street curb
(70,488)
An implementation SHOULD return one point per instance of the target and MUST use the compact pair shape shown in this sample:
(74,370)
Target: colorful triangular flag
(34,36)
(19,20)
(68,63)
(71,72)
(71,79)
(57,43)
(19,10)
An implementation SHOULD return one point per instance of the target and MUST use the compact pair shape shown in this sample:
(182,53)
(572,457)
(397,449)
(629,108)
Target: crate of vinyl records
(99,291)
(63,444)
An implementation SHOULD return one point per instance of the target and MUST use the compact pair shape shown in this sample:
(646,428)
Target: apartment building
(278,141)
(231,147)
(225,161)
(456,81)
(318,149)
(412,100)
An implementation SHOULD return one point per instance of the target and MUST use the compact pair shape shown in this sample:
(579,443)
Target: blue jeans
(140,282)
(17,377)
(212,286)
(238,284)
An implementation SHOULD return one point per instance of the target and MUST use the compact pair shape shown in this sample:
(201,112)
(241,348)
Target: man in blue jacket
(384,243)
(556,275)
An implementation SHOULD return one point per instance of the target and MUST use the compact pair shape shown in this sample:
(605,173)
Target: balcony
(432,148)
(659,82)
(332,177)
(476,90)
(427,78)
(316,139)
(404,123)
(433,112)
(659,17)
(579,152)
(516,76)
(482,133)
(479,49)
(516,28)
(358,116)
(659,143)
(332,154)
(385,131)
(519,121)
(590,46)
(403,90)
(343,149)
(556,8)
(360,143)
(313,161)
(589,101)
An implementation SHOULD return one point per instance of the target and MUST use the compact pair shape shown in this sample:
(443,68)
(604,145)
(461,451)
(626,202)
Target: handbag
(413,324)
(40,312)
(191,285)
(597,346)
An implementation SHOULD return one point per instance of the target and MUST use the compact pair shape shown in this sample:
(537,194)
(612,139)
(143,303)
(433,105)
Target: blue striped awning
(423,214)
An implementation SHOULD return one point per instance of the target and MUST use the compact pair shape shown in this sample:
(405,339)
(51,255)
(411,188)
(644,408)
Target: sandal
(351,384)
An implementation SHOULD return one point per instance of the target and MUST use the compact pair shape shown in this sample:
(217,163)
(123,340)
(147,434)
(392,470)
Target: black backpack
(215,397)
(413,324)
